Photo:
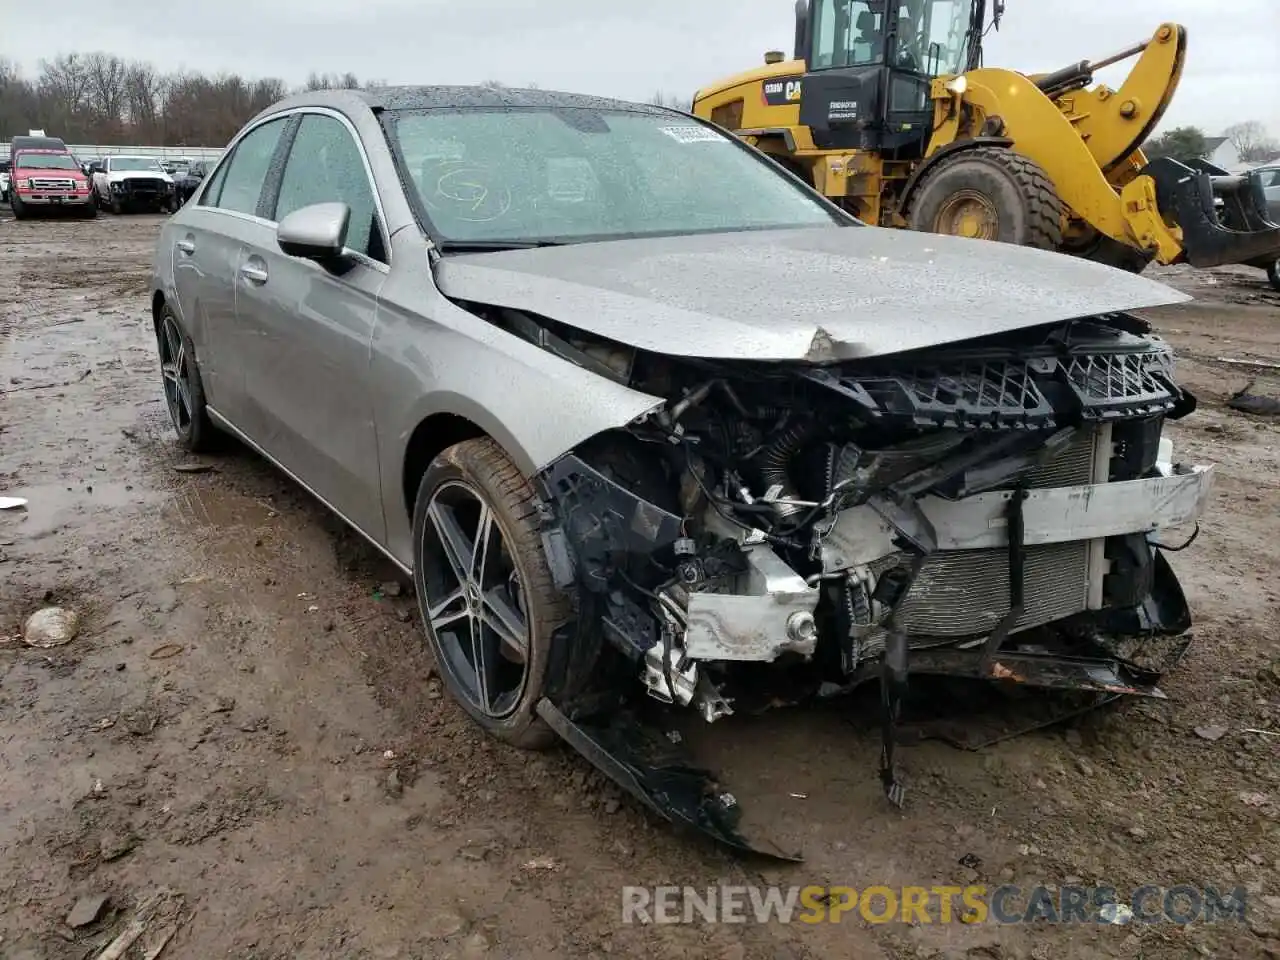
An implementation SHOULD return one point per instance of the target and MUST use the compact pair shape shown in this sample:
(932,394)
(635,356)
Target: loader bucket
(1237,232)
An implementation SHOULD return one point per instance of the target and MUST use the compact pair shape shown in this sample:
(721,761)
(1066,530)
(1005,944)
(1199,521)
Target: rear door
(311,329)
(208,248)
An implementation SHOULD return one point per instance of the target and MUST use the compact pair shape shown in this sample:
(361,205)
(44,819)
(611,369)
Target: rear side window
(238,183)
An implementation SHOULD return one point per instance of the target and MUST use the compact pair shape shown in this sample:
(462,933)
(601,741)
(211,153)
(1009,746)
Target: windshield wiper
(477,246)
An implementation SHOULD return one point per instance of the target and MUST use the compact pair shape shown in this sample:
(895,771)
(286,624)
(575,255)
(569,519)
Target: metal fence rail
(85,151)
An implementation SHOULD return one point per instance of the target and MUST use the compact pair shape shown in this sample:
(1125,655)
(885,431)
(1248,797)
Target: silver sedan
(646,418)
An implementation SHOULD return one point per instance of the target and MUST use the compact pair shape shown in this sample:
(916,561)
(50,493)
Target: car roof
(38,143)
(440,97)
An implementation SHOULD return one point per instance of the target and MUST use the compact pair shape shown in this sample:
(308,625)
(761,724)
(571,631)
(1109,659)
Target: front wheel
(18,208)
(989,193)
(1273,274)
(488,604)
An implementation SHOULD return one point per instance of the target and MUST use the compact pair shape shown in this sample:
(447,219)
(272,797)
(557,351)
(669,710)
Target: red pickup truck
(43,174)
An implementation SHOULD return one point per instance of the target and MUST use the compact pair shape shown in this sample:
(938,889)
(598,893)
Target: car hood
(40,173)
(816,294)
(118,175)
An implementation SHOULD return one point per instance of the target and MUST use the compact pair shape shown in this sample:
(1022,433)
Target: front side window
(847,33)
(45,161)
(238,184)
(524,175)
(325,165)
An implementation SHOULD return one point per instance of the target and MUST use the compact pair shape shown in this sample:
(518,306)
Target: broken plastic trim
(657,773)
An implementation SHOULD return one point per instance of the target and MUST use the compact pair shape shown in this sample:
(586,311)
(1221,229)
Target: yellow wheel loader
(887,109)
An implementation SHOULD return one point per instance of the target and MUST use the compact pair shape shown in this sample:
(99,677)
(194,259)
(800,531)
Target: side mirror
(317,232)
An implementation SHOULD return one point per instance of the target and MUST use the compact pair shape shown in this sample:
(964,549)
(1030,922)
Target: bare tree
(1251,141)
(144,93)
(106,90)
(661,98)
(332,81)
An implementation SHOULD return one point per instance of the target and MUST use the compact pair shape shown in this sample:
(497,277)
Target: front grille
(52,183)
(1122,384)
(144,185)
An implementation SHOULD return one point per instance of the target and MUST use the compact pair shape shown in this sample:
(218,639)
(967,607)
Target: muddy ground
(248,718)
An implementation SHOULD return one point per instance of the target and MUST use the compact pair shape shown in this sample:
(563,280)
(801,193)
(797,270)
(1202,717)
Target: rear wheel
(989,193)
(183,388)
(487,600)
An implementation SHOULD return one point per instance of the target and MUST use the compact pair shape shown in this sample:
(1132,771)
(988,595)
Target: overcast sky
(626,49)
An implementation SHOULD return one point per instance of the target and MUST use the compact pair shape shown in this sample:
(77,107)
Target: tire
(195,430)
(455,485)
(1008,197)
(116,207)
(19,210)
(90,211)
(1273,274)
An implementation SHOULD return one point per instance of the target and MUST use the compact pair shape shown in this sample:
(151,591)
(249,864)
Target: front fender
(431,357)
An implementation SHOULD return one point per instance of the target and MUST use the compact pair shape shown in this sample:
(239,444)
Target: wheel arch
(157,308)
(434,434)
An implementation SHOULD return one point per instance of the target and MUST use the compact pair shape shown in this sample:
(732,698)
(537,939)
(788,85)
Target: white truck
(132,183)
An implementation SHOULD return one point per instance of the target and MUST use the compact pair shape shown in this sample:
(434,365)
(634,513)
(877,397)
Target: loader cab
(870,64)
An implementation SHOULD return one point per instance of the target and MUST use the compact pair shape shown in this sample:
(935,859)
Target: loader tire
(1273,274)
(989,193)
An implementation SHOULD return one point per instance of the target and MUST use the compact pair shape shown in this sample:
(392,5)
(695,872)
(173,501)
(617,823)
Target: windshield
(847,33)
(932,35)
(45,161)
(530,174)
(134,163)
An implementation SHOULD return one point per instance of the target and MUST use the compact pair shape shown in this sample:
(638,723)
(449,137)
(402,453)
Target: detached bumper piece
(657,773)
(1240,233)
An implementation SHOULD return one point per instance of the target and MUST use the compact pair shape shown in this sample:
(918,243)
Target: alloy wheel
(177,375)
(474,601)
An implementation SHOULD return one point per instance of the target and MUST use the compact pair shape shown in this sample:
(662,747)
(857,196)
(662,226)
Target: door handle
(186,246)
(253,274)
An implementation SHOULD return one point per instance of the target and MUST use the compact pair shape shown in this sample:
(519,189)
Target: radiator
(961,593)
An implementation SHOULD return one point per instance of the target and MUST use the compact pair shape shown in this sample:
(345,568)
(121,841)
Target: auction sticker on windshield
(692,134)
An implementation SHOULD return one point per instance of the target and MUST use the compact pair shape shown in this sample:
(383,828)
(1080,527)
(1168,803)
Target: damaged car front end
(854,456)
(992,509)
